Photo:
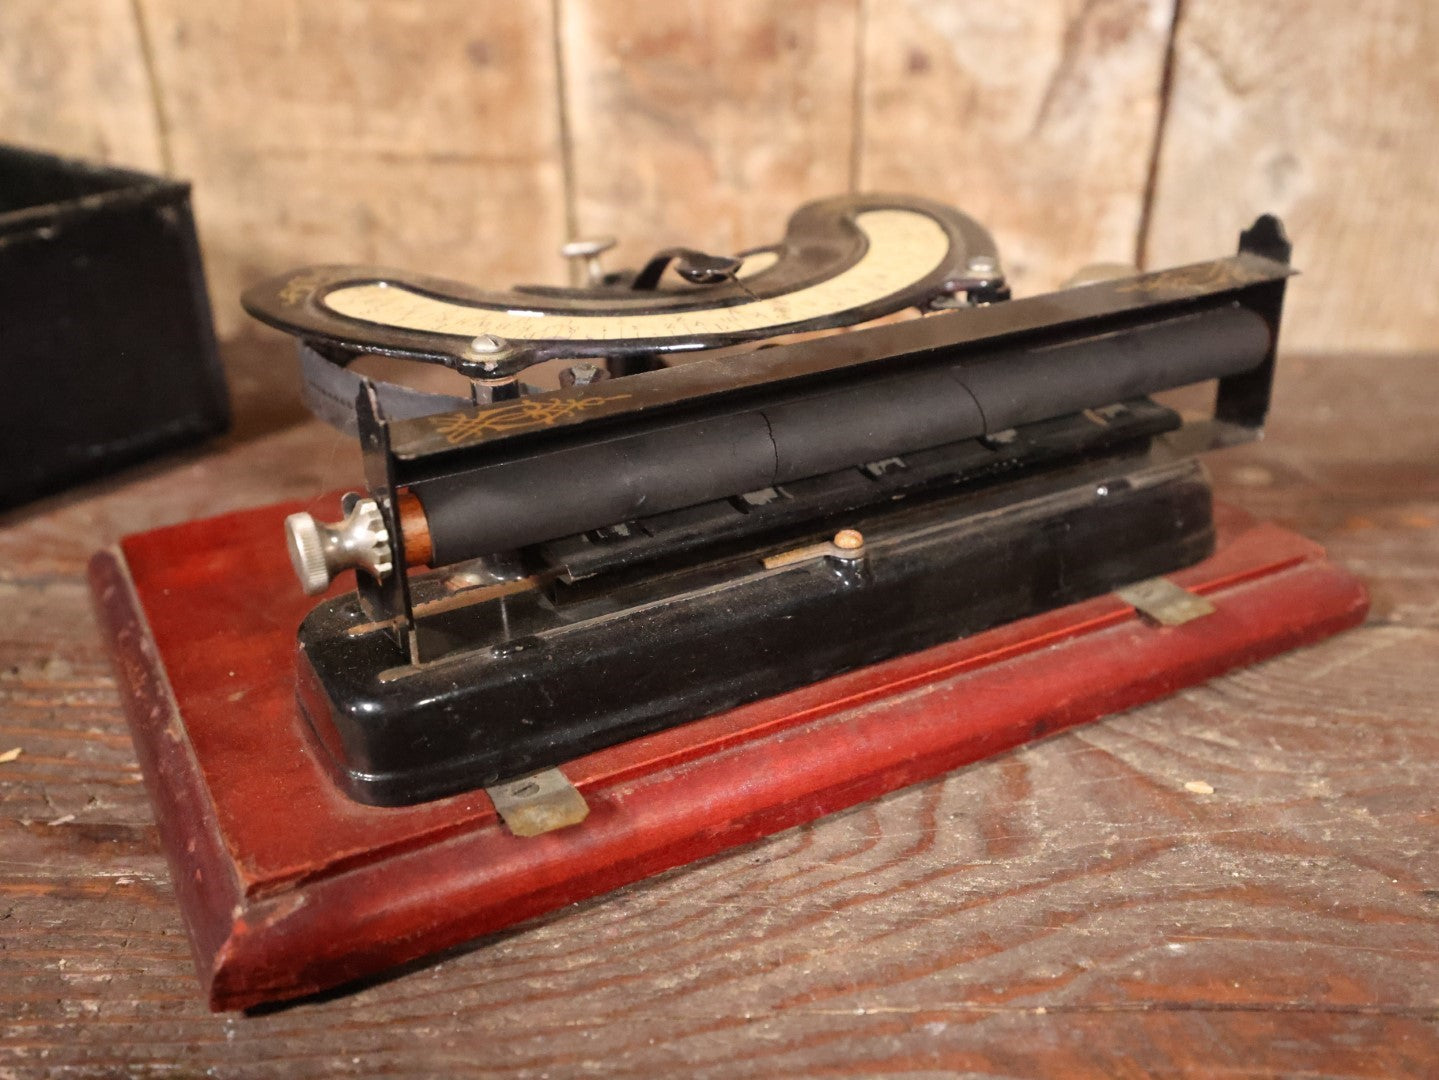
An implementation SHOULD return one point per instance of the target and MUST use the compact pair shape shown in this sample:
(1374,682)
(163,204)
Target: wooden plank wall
(1326,112)
(470,137)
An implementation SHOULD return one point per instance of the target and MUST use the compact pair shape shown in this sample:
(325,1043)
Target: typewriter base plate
(289,887)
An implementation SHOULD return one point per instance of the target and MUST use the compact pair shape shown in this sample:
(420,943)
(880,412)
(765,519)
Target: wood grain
(469,139)
(73,80)
(705,124)
(1066,910)
(1351,459)
(1326,114)
(1038,119)
(419,135)
(276,918)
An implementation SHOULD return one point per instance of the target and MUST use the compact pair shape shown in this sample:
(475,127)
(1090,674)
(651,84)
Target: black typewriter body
(700,516)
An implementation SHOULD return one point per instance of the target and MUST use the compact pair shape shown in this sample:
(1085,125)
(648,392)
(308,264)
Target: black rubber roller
(654,466)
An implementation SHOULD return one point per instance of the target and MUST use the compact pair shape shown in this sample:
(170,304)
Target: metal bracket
(846,547)
(1160,600)
(539,803)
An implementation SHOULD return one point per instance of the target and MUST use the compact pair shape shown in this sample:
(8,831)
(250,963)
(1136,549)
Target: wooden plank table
(1069,909)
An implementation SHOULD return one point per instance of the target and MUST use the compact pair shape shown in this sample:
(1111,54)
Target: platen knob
(319,551)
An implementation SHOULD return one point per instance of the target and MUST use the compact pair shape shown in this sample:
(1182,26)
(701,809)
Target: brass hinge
(539,803)
(1164,602)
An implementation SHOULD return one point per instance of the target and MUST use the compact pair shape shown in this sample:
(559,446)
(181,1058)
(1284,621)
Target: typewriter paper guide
(904,247)
(842,261)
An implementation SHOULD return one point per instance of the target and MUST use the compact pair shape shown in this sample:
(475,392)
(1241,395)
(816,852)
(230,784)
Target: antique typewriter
(730,487)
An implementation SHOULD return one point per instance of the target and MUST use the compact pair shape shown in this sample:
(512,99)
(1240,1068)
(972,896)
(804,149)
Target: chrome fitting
(319,551)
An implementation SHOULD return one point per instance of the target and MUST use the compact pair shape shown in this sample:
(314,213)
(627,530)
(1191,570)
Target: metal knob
(319,551)
(584,256)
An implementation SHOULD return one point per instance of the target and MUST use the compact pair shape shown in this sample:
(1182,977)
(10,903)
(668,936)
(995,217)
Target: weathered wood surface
(1069,909)
(423,135)
(1327,114)
(1039,119)
(74,80)
(469,139)
(705,124)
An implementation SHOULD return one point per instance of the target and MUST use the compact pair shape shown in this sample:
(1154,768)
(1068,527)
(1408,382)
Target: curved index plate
(843,260)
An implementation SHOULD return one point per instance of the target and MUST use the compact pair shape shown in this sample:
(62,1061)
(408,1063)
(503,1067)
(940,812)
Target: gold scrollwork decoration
(1190,280)
(299,287)
(519,415)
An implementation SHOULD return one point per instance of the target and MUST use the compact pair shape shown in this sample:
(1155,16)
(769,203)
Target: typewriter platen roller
(701,514)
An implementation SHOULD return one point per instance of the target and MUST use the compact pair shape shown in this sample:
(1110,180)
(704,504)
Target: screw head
(487,345)
(982,265)
(849,540)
